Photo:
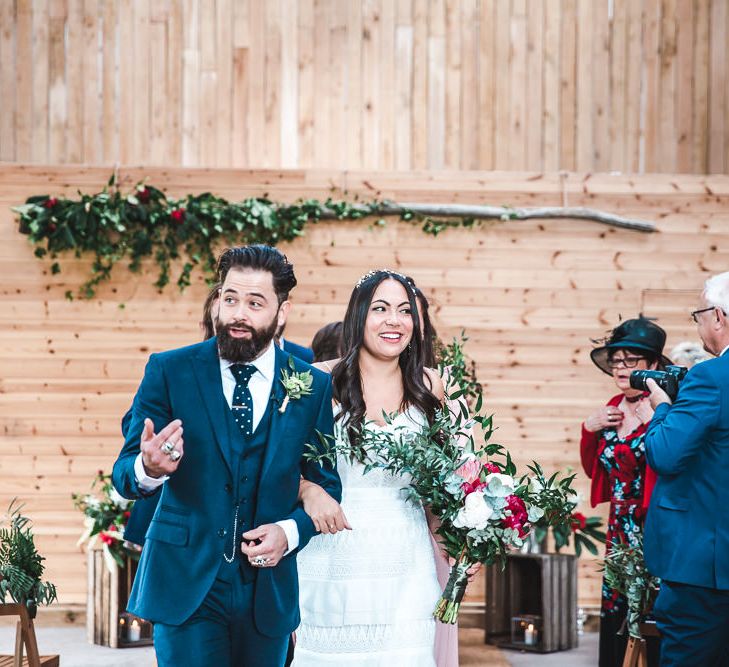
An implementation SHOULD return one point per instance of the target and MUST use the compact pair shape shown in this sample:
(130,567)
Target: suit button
(221,532)
(244,478)
(228,488)
(244,501)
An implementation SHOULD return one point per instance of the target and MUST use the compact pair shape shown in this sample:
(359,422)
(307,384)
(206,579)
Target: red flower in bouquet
(491,467)
(105,538)
(127,514)
(178,215)
(518,516)
(144,195)
(578,521)
(471,487)
(50,202)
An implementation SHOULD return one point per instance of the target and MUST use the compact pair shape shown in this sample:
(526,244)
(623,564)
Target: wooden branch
(507,213)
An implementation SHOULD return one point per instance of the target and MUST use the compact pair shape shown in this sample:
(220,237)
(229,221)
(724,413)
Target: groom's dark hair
(260,258)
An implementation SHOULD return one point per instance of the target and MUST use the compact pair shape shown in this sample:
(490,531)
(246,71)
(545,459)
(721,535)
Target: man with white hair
(687,528)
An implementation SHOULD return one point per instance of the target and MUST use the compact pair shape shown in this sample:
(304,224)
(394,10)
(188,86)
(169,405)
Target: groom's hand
(161,453)
(265,542)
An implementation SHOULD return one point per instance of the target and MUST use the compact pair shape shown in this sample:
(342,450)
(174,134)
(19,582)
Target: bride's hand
(325,512)
(472,571)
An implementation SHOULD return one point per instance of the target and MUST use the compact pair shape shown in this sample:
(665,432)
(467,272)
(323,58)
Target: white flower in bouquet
(535,486)
(475,513)
(534,513)
(499,485)
(119,500)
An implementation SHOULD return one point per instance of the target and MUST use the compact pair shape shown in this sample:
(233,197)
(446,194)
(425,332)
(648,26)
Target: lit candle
(135,631)
(530,635)
(122,628)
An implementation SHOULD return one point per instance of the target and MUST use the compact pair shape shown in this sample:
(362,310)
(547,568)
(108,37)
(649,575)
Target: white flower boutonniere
(295,384)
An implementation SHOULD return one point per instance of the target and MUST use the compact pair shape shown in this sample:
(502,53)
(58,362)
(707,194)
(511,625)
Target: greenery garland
(144,223)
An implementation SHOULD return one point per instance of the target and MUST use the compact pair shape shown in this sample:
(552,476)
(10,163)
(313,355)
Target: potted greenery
(21,566)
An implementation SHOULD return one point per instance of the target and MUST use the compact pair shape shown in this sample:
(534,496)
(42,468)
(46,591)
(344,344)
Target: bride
(367,594)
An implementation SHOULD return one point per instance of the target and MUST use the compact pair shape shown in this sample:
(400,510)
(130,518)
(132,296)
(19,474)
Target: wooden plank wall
(587,85)
(530,295)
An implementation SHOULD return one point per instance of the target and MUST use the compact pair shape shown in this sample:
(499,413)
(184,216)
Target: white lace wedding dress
(367,595)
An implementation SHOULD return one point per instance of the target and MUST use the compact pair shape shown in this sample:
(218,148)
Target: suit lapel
(278,420)
(207,371)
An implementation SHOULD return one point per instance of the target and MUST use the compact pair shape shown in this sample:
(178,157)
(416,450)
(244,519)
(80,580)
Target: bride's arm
(325,512)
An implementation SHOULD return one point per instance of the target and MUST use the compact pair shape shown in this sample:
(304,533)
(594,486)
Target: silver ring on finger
(168,447)
(175,455)
(259,561)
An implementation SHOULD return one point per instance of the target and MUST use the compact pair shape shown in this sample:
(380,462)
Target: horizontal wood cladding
(530,295)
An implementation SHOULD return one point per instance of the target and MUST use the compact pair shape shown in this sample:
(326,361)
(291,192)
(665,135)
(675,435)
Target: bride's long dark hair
(346,376)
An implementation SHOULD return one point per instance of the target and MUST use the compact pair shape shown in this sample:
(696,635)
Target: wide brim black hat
(637,334)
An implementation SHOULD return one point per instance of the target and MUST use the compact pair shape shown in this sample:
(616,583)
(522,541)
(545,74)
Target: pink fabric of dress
(446,636)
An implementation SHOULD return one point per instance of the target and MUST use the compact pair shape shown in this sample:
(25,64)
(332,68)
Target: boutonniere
(295,384)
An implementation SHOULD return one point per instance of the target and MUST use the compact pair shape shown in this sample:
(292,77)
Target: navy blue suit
(179,571)
(299,351)
(687,528)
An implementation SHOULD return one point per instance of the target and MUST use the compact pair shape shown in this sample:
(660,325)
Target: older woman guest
(612,451)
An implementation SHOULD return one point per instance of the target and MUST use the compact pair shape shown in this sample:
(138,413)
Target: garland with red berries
(146,223)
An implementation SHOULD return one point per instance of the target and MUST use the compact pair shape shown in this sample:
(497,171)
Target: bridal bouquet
(483,508)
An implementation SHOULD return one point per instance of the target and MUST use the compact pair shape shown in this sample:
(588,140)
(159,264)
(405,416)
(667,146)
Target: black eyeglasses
(695,313)
(628,362)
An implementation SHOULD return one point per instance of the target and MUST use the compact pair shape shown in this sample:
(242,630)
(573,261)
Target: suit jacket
(304,353)
(687,527)
(190,528)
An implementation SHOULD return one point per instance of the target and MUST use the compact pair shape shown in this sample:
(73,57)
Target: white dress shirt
(260,386)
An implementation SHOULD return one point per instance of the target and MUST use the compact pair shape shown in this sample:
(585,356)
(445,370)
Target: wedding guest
(688,353)
(612,451)
(327,342)
(299,351)
(687,533)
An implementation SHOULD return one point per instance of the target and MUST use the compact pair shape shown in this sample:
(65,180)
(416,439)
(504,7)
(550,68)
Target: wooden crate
(107,597)
(538,584)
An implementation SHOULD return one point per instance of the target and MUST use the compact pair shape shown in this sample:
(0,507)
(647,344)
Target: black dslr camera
(667,380)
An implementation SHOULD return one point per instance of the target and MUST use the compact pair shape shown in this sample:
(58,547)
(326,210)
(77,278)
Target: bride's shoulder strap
(326,366)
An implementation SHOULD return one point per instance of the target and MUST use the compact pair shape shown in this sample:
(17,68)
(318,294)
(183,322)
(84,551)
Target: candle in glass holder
(530,635)
(122,628)
(134,631)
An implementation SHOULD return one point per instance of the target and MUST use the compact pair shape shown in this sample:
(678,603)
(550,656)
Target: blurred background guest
(327,342)
(612,451)
(299,351)
(688,353)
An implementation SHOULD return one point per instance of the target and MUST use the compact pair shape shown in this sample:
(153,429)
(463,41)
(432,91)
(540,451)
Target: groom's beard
(243,350)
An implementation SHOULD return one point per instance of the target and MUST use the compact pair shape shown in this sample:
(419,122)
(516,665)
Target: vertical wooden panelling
(600,85)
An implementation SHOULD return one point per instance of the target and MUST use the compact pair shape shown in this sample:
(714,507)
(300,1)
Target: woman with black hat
(612,451)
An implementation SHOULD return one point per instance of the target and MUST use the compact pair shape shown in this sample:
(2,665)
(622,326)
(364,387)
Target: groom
(218,574)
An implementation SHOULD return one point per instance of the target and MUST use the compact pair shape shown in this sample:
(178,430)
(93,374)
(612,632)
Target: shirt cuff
(144,481)
(292,534)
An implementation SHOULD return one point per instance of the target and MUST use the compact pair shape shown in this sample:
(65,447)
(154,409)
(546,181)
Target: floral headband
(374,272)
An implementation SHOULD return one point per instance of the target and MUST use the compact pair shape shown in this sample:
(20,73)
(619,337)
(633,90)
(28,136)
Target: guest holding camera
(687,530)
(612,452)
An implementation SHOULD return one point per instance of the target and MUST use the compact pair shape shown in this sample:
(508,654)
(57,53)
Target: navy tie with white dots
(242,400)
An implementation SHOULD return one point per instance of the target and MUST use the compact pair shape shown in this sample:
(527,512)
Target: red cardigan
(591,447)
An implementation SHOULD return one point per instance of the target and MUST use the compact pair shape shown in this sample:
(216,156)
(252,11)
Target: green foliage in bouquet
(145,223)
(626,572)
(458,368)
(472,489)
(559,500)
(105,516)
(21,566)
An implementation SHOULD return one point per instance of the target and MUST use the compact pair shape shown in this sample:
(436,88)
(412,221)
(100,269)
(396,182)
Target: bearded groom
(215,432)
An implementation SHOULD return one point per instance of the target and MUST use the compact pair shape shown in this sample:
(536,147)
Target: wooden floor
(474,653)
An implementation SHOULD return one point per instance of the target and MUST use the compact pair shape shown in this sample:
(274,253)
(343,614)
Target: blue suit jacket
(304,353)
(189,532)
(687,444)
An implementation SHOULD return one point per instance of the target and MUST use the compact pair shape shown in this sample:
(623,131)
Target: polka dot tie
(242,400)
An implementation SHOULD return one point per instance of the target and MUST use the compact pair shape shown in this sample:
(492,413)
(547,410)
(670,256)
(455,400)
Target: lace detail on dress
(367,595)
(367,638)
